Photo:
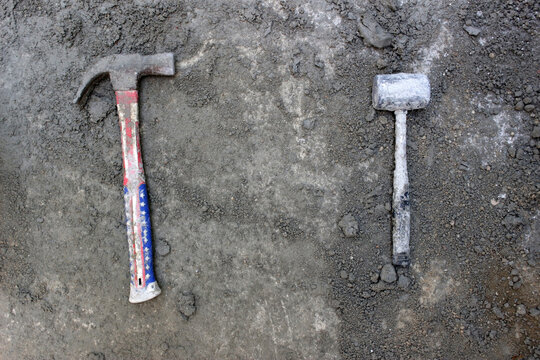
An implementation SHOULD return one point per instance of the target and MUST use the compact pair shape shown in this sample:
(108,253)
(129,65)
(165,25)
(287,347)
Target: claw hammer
(124,72)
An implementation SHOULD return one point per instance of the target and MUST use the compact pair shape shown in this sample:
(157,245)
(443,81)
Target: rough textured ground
(261,154)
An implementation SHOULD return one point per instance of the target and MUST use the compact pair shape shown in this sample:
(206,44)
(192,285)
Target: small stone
(514,272)
(98,109)
(521,310)
(349,226)
(403,282)
(163,347)
(373,33)
(95,356)
(186,305)
(511,151)
(536,132)
(343,274)
(534,312)
(374,277)
(351,277)
(39,220)
(370,115)
(381,63)
(383,120)
(512,220)
(529,108)
(308,124)
(163,248)
(472,30)
(527,100)
(497,311)
(493,334)
(388,273)
(519,106)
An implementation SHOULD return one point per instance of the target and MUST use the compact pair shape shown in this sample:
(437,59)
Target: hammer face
(400,92)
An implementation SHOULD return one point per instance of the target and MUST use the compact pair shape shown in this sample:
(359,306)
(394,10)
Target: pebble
(163,248)
(371,114)
(163,347)
(534,312)
(373,34)
(512,152)
(349,226)
(343,274)
(521,310)
(536,132)
(98,109)
(472,30)
(383,120)
(403,282)
(519,106)
(186,305)
(529,108)
(95,356)
(374,277)
(498,312)
(39,220)
(388,273)
(308,124)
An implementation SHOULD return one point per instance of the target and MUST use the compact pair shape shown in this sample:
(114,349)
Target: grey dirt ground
(270,179)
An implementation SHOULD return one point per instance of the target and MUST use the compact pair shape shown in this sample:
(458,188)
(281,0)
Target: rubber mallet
(400,93)
(125,72)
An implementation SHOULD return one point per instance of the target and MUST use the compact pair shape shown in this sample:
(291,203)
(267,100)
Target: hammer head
(400,92)
(125,71)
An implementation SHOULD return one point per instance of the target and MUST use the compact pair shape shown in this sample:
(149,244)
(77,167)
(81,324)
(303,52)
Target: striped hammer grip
(143,284)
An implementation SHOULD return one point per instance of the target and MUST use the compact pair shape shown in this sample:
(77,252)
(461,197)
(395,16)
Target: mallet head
(126,70)
(401,91)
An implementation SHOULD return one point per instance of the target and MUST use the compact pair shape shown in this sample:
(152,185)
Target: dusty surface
(261,153)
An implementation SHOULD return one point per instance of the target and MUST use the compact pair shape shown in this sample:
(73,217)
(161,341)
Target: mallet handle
(143,282)
(401,207)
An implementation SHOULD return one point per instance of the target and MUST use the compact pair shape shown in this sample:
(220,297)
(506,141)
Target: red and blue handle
(143,285)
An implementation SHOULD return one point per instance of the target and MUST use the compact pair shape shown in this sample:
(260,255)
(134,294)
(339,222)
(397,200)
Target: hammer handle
(401,208)
(143,282)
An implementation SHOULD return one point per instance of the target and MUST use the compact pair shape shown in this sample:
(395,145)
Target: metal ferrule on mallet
(399,93)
